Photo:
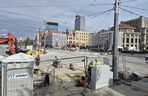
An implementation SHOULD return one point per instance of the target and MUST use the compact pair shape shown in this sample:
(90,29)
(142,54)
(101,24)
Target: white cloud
(62,11)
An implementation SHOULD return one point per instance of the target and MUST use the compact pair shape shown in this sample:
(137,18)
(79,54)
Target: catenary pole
(115,41)
(45,29)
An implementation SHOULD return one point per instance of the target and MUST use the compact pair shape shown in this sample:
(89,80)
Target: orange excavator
(11,41)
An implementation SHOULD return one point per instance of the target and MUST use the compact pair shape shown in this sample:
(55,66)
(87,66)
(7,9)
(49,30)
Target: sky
(23,18)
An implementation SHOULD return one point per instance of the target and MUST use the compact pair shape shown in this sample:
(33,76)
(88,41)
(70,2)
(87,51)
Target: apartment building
(82,38)
(79,38)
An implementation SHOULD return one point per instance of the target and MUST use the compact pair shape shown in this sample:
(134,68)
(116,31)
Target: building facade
(131,40)
(141,22)
(80,23)
(52,27)
(144,38)
(141,25)
(56,39)
(79,38)
(71,38)
(128,38)
(82,38)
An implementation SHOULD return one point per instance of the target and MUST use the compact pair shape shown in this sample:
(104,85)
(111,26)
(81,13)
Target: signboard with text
(17,76)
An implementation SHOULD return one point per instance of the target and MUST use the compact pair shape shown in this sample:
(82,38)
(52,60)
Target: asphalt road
(135,63)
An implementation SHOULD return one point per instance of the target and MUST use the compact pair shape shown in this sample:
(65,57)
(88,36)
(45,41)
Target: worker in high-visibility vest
(97,62)
(89,68)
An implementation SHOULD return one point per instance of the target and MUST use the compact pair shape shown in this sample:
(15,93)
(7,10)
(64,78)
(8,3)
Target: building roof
(126,26)
(123,25)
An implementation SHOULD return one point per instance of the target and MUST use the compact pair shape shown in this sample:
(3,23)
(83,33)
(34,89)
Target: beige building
(70,38)
(79,38)
(82,38)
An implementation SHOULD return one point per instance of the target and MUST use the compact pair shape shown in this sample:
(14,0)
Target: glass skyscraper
(80,23)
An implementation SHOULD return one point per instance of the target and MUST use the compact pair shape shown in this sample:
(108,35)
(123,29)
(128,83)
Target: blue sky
(24,17)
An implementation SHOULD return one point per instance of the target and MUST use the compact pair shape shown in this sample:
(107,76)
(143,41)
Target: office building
(80,23)
(52,27)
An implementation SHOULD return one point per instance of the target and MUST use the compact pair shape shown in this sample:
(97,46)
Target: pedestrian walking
(37,60)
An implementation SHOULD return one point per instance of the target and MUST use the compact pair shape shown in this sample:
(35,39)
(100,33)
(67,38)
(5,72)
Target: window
(136,46)
(127,40)
(135,40)
(132,40)
(70,38)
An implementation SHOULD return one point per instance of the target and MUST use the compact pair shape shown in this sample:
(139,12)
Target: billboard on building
(52,26)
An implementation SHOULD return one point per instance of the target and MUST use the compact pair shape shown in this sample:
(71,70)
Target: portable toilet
(17,75)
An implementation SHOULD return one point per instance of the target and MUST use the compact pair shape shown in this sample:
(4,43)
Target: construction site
(22,76)
(72,71)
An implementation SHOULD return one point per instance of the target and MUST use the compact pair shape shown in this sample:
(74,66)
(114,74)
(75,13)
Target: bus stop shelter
(17,75)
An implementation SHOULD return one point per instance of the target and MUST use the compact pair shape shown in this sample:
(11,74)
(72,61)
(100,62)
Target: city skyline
(23,18)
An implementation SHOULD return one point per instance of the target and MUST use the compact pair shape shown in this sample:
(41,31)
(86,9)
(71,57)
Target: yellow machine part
(38,52)
(29,52)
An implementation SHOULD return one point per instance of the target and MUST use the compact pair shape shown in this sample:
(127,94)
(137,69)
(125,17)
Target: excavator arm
(11,40)
(3,40)
(11,43)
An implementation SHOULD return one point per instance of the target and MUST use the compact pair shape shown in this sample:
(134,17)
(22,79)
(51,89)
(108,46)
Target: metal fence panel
(18,79)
